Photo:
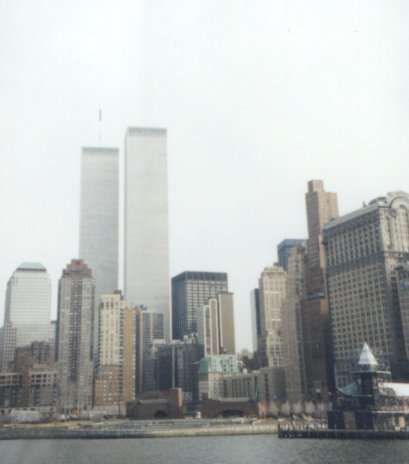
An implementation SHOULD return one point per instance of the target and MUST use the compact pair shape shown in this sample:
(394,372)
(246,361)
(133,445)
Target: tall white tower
(146,247)
(99,218)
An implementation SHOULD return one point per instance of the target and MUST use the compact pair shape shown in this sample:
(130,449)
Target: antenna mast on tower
(100,126)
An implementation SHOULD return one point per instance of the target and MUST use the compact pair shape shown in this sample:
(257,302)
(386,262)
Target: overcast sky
(257,96)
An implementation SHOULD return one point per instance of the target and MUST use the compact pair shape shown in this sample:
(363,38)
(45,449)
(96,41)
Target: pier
(289,431)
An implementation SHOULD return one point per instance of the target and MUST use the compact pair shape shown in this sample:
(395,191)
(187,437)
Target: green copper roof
(31,267)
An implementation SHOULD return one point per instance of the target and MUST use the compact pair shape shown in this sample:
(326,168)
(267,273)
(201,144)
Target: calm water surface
(261,449)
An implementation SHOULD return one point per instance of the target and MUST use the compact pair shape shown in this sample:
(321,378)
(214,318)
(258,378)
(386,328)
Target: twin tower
(145,251)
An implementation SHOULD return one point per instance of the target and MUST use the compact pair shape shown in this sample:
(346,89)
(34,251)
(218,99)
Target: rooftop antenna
(100,126)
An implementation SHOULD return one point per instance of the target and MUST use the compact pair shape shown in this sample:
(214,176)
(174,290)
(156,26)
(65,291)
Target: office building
(272,286)
(255,316)
(99,216)
(363,250)
(265,385)
(284,250)
(321,207)
(191,290)
(146,247)
(215,325)
(177,366)
(150,332)
(212,370)
(292,318)
(27,316)
(115,378)
(402,280)
(74,344)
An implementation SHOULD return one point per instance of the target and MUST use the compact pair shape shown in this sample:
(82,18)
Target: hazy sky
(258,97)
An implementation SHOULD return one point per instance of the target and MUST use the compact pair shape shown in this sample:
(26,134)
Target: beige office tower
(366,282)
(215,325)
(322,207)
(116,366)
(146,246)
(75,325)
(293,341)
(272,285)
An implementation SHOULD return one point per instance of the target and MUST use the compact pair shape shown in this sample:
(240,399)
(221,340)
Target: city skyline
(323,97)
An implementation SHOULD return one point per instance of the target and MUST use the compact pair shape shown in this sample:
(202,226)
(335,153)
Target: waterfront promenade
(139,429)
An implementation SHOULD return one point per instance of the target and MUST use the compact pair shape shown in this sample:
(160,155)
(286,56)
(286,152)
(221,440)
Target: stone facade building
(363,250)
(74,345)
(115,377)
(292,320)
(272,285)
(321,207)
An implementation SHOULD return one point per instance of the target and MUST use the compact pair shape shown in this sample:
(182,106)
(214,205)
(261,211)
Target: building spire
(367,359)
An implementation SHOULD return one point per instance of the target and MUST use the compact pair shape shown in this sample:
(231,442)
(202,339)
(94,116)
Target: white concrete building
(272,285)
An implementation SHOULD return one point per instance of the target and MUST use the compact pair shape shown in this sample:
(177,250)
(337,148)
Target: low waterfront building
(212,370)
(264,385)
(372,401)
(156,405)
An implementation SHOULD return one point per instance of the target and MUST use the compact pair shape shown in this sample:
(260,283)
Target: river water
(259,449)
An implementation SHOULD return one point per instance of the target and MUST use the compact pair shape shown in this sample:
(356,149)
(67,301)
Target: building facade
(285,248)
(99,218)
(402,280)
(272,285)
(293,336)
(177,366)
(255,316)
(215,325)
(146,246)
(150,335)
(363,250)
(191,290)
(27,316)
(321,207)
(115,377)
(212,370)
(74,345)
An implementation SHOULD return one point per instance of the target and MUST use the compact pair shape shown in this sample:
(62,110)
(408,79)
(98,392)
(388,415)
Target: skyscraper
(321,206)
(285,248)
(146,248)
(28,309)
(116,367)
(293,337)
(272,285)
(215,325)
(74,345)
(191,290)
(363,250)
(255,316)
(98,241)
(149,336)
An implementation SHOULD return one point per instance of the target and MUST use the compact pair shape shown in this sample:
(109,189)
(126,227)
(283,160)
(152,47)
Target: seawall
(106,433)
